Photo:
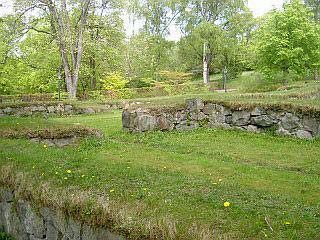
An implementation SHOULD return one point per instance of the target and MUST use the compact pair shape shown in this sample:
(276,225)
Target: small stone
(8,110)
(252,128)
(89,111)
(51,109)
(257,111)
(68,108)
(303,134)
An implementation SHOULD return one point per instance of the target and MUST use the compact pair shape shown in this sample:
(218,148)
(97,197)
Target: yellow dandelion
(33,167)
(128,167)
(111,190)
(68,171)
(144,189)
(226,204)
(45,146)
(65,178)
(165,167)
(287,223)
(214,183)
(56,173)
(42,174)
(82,175)
(220,180)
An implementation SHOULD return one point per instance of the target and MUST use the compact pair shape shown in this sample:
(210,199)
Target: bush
(113,81)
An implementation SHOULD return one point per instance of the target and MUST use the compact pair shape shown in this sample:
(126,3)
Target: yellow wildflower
(56,173)
(45,146)
(68,171)
(287,223)
(111,190)
(82,175)
(144,189)
(65,178)
(220,180)
(226,204)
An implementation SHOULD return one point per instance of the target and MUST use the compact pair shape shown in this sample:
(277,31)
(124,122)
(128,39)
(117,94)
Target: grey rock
(264,120)
(73,229)
(33,224)
(282,131)
(56,218)
(60,108)
(68,108)
(166,122)
(41,109)
(240,118)
(34,108)
(8,110)
(6,195)
(89,110)
(146,122)
(10,221)
(218,125)
(303,134)
(51,109)
(180,117)
(211,108)
(90,233)
(194,104)
(126,119)
(257,111)
(290,122)
(310,124)
(252,128)
(187,125)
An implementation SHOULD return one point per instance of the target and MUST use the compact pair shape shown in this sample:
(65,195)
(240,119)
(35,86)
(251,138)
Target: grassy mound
(173,185)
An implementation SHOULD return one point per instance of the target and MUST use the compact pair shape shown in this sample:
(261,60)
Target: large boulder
(240,118)
(146,122)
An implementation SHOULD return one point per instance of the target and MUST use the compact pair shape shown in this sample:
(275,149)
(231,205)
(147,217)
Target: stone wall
(54,109)
(197,113)
(20,219)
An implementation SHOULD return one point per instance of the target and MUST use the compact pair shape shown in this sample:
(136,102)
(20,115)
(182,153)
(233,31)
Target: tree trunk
(285,80)
(316,75)
(206,64)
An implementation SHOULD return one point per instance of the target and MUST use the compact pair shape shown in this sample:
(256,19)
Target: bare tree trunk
(316,75)
(206,64)
(70,49)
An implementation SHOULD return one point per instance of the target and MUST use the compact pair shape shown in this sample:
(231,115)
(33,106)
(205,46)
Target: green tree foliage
(288,41)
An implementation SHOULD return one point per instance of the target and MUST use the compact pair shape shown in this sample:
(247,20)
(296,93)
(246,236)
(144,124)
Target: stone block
(240,118)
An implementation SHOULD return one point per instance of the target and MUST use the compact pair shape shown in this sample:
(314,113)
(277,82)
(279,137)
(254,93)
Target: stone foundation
(23,221)
(54,109)
(197,113)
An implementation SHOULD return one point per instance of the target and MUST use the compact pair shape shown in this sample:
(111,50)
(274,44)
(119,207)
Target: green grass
(174,184)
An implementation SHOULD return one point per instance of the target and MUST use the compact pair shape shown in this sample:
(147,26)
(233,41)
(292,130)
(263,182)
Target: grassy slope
(168,183)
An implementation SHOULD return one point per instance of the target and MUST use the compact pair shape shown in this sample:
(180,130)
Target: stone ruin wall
(197,113)
(54,109)
(24,221)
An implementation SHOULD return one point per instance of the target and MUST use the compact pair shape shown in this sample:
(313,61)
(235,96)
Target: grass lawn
(172,185)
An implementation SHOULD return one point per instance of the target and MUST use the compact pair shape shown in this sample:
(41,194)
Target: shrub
(114,81)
